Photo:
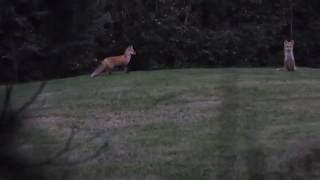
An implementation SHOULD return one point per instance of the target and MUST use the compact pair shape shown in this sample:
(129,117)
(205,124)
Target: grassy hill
(188,124)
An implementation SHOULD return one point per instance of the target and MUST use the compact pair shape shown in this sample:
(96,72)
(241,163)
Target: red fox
(109,63)
(289,61)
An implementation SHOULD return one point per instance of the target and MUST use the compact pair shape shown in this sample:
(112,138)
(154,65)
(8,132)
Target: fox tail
(98,70)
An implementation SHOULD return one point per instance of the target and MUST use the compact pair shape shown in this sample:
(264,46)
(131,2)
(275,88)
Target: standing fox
(289,61)
(109,63)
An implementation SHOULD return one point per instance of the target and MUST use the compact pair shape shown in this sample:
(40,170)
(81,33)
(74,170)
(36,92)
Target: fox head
(130,50)
(288,45)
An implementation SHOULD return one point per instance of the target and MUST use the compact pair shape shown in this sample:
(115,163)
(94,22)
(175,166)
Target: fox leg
(125,68)
(108,70)
(294,65)
(290,66)
(285,64)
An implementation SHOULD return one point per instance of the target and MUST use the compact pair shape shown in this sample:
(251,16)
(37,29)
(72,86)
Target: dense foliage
(58,38)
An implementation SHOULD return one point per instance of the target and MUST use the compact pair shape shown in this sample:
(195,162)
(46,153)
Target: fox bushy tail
(98,70)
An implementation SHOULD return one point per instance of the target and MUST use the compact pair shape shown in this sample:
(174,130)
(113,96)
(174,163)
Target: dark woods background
(42,39)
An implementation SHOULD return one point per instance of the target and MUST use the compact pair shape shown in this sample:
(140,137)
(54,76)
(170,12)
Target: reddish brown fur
(109,63)
(289,60)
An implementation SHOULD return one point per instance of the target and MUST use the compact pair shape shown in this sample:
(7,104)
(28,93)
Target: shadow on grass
(241,156)
(301,161)
(16,166)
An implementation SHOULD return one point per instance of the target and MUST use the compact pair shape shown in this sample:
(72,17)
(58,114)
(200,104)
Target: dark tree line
(43,39)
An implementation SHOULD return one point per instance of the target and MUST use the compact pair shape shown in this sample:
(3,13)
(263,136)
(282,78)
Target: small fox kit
(289,61)
(109,63)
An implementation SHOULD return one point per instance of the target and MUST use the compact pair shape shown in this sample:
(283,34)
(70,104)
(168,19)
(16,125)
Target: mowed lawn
(192,124)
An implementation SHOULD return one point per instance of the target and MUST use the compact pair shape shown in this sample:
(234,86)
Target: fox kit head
(130,50)
(288,45)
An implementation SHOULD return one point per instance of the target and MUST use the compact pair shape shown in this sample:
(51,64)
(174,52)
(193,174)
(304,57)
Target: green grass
(188,124)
